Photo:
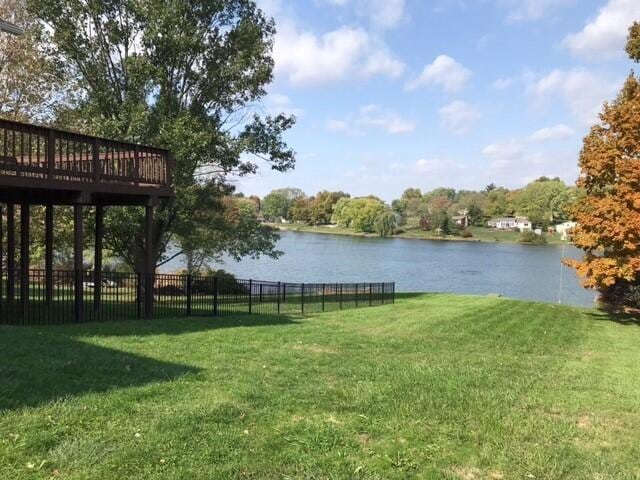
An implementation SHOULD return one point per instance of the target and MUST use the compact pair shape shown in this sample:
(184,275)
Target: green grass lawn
(480,234)
(435,386)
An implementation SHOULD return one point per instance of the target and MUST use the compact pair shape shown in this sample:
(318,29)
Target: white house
(523,224)
(510,223)
(564,229)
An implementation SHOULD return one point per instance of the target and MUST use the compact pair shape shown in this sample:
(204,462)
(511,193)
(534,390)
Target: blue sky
(391,94)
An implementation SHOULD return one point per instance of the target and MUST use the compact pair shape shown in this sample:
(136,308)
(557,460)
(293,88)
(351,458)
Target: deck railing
(48,154)
(52,299)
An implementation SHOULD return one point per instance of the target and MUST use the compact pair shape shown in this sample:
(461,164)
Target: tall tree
(30,84)
(608,215)
(180,75)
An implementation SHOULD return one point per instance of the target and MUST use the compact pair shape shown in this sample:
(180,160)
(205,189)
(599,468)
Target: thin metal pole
(215,296)
(278,298)
(250,294)
(302,298)
(323,297)
(370,294)
(189,293)
(340,296)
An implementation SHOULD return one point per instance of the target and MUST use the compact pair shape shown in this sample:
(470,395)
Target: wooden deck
(45,165)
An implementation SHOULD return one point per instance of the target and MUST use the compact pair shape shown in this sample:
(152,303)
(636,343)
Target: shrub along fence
(52,298)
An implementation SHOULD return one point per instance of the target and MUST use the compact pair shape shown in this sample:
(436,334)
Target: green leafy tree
(544,201)
(277,204)
(322,206)
(301,209)
(385,223)
(360,214)
(179,75)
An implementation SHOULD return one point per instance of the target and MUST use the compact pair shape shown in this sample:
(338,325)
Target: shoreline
(350,233)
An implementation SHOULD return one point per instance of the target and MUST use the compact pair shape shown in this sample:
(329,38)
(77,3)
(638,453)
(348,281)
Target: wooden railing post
(51,154)
(136,165)
(95,154)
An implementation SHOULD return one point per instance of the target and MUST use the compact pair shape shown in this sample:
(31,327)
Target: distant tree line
(545,201)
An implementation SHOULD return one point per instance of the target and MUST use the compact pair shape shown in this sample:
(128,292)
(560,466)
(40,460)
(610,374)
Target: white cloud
(307,59)
(557,132)
(445,72)
(278,103)
(372,116)
(581,90)
(502,83)
(383,14)
(337,125)
(459,116)
(531,10)
(502,155)
(605,35)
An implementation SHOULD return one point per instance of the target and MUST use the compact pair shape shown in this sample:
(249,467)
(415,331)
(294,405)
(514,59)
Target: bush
(203,283)
(622,295)
(531,237)
(466,233)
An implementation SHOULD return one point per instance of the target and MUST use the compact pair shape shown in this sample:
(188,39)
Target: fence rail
(51,297)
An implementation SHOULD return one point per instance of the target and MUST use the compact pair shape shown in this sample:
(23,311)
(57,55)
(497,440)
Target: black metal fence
(43,297)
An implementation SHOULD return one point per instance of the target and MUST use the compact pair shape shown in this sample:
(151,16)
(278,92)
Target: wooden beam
(48,252)
(24,257)
(148,264)
(11,252)
(97,267)
(78,264)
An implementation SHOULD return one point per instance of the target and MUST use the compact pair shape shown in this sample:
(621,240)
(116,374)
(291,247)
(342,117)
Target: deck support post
(148,264)
(48,252)
(24,258)
(1,256)
(97,263)
(78,309)
(11,252)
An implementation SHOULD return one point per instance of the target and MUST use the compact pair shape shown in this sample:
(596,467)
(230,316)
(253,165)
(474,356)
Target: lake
(518,271)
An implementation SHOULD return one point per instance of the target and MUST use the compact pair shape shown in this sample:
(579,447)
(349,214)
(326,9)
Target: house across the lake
(462,219)
(510,223)
(564,229)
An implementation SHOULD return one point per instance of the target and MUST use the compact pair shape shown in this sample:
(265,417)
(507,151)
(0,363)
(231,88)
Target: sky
(391,94)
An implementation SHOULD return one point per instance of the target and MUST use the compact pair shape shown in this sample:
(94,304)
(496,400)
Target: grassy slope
(436,386)
(480,234)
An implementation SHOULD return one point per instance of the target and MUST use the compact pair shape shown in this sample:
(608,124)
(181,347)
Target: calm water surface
(517,271)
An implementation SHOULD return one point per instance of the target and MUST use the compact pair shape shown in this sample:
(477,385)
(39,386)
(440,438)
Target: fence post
(357,292)
(284,292)
(302,297)
(383,293)
(340,296)
(323,297)
(189,293)
(393,292)
(261,293)
(278,298)
(250,293)
(370,294)
(139,293)
(215,296)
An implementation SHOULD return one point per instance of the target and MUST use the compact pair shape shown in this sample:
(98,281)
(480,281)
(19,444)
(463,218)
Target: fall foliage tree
(608,216)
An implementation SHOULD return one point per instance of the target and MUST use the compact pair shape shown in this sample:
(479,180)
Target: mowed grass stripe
(435,386)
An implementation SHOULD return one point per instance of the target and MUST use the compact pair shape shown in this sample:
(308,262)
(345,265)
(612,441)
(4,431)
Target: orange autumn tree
(608,216)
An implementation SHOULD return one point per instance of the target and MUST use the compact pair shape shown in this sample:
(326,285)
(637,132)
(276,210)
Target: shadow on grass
(615,315)
(176,325)
(42,364)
